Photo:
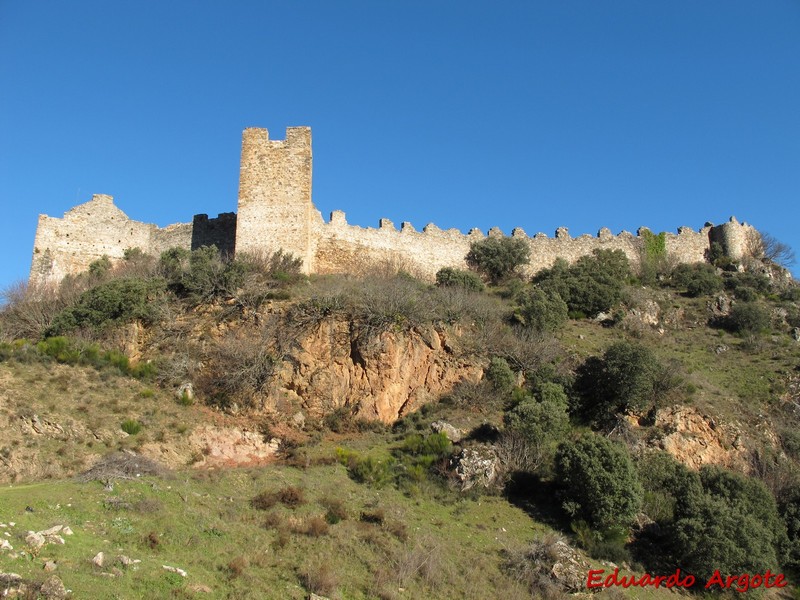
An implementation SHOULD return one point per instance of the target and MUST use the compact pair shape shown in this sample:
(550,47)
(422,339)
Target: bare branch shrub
(266,276)
(28,310)
(423,561)
(122,465)
(319,578)
(238,369)
(516,452)
(766,247)
(533,566)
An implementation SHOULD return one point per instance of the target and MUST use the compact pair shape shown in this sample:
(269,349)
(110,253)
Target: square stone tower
(275,210)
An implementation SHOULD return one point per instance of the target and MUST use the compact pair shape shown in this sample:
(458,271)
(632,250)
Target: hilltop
(377,435)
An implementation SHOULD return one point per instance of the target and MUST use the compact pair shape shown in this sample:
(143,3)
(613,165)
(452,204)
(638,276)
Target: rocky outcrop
(477,466)
(697,440)
(381,376)
(231,447)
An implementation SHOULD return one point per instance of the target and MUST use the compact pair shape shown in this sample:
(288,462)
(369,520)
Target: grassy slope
(204,522)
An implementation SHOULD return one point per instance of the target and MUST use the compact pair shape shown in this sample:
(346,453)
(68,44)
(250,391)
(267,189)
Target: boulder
(477,466)
(53,589)
(35,540)
(450,432)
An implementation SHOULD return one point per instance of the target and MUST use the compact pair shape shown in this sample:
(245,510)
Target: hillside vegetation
(268,435)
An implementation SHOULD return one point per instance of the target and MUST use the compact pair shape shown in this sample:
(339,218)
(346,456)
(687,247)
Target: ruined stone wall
(276,213)
(219,232)
(275,210)
(97,228)
(86,233)
(341,247)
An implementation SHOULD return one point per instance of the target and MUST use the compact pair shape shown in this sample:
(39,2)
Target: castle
(275,212)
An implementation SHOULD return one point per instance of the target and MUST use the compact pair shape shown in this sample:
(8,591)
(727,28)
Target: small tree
(449,277)
(733,526)
(600,482)
(747,318)
(541,311)
(699,279)
(533,428)
(627,377)
(498,258)
(767,247)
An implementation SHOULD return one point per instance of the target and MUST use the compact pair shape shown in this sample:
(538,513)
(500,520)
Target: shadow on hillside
(538,498)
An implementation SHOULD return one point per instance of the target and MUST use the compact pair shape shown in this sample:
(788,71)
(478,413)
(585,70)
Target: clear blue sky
(581,114)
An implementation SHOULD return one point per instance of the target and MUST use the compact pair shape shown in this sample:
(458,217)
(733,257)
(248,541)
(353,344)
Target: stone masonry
(275,212)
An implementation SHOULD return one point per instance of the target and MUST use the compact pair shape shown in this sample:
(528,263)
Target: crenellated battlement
(275,212)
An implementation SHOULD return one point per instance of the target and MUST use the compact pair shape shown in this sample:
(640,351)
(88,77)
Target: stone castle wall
(340,247)
(97,228)
(275,212)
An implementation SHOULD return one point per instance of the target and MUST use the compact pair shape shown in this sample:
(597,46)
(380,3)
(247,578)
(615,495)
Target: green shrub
(748,286)
(600,482)
(201,275)
(74,352)
(533,428)
(732,526)
(792,293)
(99,268)
(131,426)
(747,318)
(449,277)
(111,303)
(608,544)
(698,279)
(654,264)
(366,469)
(628,377)
(498,258)
(590,286)
(541,311)
(790,440)
(500,375)
(668,486)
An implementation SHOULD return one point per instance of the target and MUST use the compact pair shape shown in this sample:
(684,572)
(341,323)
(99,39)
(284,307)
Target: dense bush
(201,275)
(533,428)
(599,480)
(732,526)
(747,286)
(111,303)
(789,509)
(747,318)
(449,277)
(668,486)
(590,286)
(500,375)
(498,258)
(698,279)
(628,377)
(541,311)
